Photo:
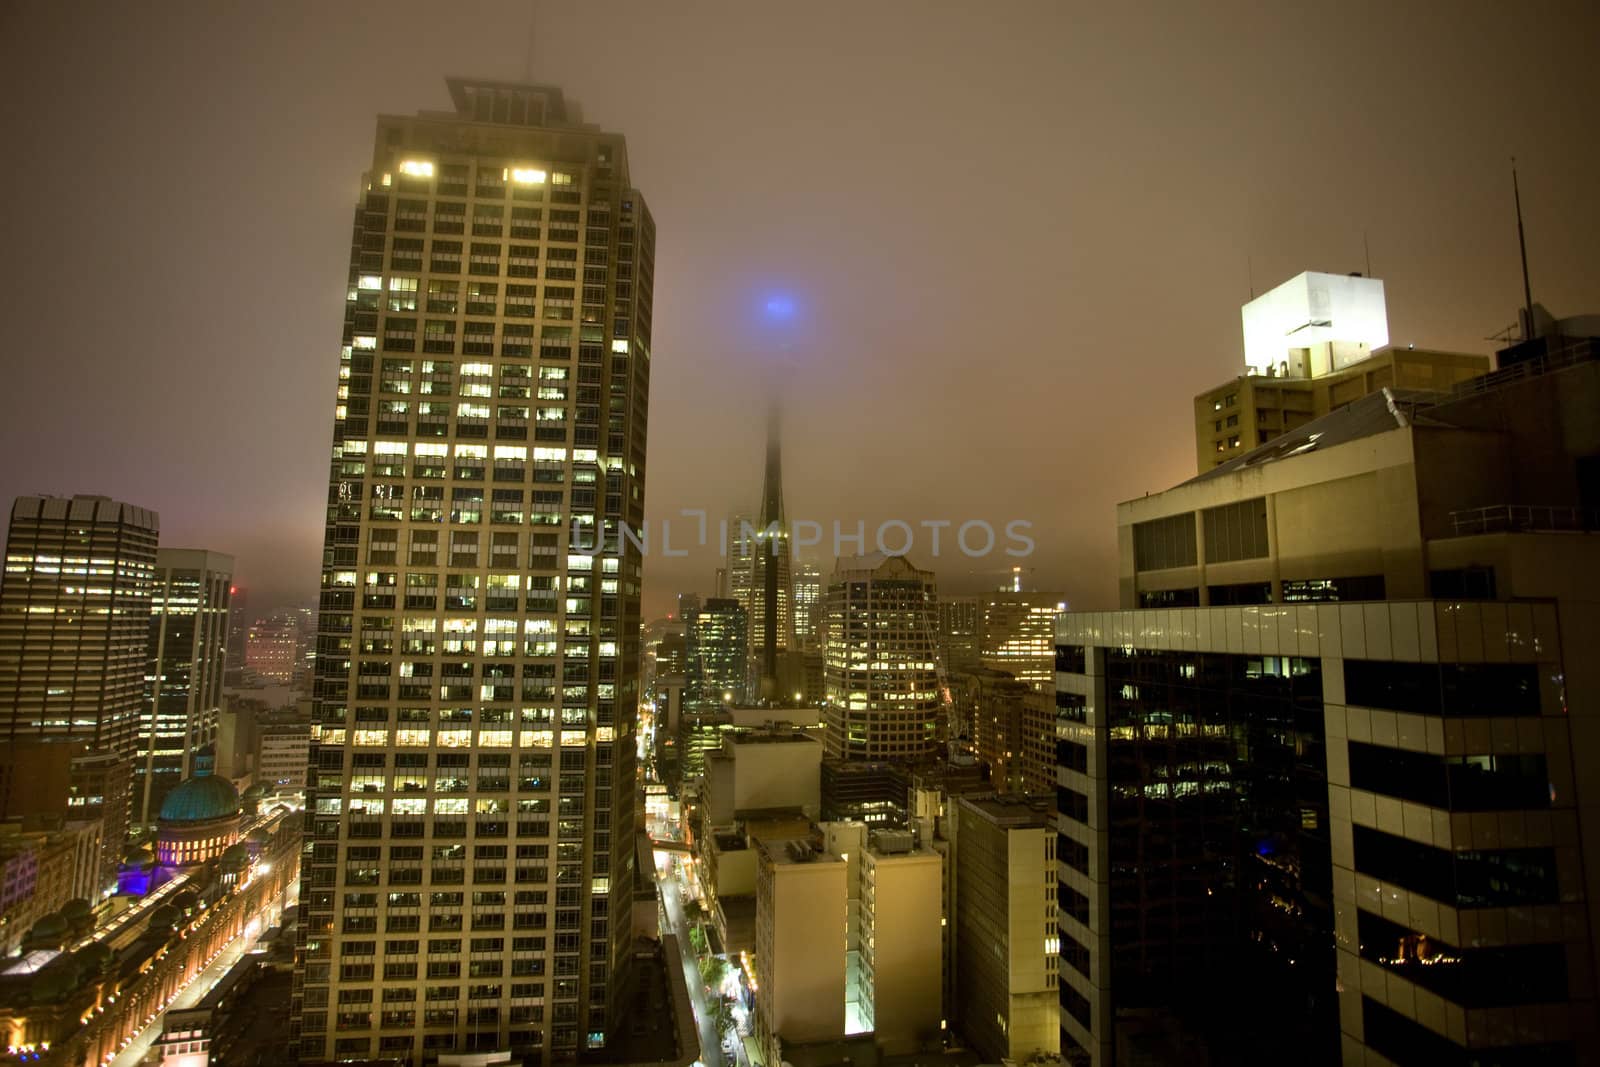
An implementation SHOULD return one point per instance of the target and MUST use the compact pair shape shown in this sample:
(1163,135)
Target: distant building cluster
(1316,786)
(121,772)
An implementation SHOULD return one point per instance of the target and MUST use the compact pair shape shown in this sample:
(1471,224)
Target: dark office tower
(718,635)
(1335,794)
(183,687)
(471,872)
(960,632)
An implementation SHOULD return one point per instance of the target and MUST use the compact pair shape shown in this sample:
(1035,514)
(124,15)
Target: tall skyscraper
(75,620)
(1340,802)
(771,588)
(882,673)
(478,671)
(74,626)
(760,566)
(183,685)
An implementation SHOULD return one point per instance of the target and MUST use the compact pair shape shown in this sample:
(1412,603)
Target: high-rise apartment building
(183,684)
(1349,815)
(1313,344)
(471,873)
(882,673)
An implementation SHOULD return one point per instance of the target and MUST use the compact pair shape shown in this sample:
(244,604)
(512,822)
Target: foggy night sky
(1017,236)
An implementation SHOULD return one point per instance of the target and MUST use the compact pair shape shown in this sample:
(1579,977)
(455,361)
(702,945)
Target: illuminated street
(710,1043)
(202,983)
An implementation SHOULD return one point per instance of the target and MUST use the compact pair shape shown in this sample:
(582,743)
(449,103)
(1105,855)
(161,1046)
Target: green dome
(201,798)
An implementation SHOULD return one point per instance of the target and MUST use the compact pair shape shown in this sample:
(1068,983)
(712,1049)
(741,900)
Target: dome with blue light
(201,798)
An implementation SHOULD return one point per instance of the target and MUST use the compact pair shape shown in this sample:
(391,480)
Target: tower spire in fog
(771,561)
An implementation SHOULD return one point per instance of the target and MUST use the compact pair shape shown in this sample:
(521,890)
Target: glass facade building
(1219,881)
(1325,794)
(183,684)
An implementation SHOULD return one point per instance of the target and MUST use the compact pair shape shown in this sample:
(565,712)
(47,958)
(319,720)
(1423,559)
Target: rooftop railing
(1567,355)
(1523,518)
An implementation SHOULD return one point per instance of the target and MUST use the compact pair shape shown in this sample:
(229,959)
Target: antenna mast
(1522,246)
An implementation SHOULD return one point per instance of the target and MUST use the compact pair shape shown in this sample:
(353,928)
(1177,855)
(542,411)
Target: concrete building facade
(1396,866)
(800,898)
(1311,345)
(899,944)
(1004,910)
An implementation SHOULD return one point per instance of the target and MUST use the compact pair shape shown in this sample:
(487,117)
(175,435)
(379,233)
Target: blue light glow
(780,307)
